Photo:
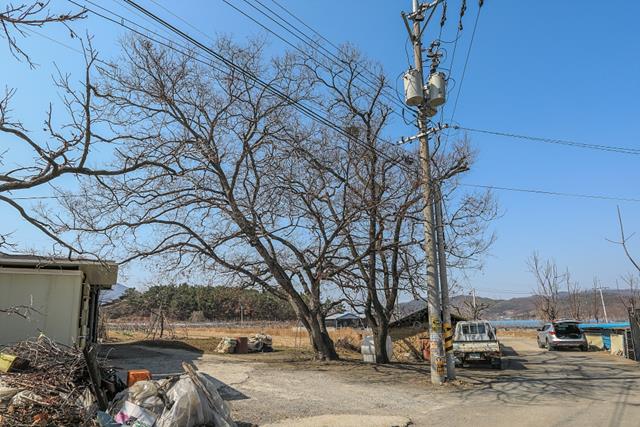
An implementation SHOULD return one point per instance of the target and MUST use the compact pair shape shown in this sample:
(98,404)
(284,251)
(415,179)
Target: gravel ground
(537,387)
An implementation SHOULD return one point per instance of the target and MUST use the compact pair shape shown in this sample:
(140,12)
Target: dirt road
(536,388)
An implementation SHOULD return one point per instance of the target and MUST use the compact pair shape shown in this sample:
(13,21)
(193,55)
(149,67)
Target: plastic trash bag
(145,394)
(192,407)
(175,402)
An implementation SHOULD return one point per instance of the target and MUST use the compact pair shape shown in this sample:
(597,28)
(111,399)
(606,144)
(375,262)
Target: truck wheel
(540,345)
(584,347)
(496,363)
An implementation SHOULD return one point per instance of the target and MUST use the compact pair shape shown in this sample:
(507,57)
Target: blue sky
(554,69)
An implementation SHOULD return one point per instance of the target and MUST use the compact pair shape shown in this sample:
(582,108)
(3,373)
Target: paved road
(536,388)
(558,388)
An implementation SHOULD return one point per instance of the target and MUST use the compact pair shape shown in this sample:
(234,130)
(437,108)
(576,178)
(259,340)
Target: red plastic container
(136,375)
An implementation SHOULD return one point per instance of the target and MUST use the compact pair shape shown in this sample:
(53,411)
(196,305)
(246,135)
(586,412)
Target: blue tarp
(620,325)
(606,341)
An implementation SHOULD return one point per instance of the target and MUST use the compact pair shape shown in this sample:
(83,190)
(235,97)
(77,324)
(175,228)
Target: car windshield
(473,328)
(567,328)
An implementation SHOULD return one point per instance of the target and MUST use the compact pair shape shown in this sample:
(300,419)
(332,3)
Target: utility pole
(604,308)
(475,308)
(438,360)
(444,285)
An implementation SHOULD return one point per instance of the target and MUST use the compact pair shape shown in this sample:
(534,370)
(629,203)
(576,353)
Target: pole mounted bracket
(437,128)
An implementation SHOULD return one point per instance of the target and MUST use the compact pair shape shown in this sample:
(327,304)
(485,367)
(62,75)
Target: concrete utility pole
(438,361)
(444,285)
(475,308)
(604,308)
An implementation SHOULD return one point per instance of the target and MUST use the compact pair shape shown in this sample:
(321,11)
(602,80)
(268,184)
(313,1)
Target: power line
(610,148)
(297,104)
(65,45)
(554,193)
(453,56)
(329,55)
(489,187)
(321,37)
(313,115)
(466,62)
(304,109)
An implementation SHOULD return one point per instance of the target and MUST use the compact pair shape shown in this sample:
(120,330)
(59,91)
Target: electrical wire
(65,45)
(337,60)
(314,116)
(329,55)
(466,63)
(488,187)
(553,193)
(304,109)
(610,148)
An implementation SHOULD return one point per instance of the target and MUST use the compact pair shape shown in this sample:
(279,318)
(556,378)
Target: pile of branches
(52,385)
(347,343)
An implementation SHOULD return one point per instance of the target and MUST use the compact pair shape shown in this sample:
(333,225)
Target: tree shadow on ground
(557,375)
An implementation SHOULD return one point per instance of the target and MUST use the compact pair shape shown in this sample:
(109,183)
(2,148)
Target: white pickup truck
(476,341)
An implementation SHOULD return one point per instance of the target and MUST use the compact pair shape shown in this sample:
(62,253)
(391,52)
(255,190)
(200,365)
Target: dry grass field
(285,337)
(407,342)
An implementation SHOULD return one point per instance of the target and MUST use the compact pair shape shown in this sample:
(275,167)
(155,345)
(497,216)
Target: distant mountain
(525,307)
(115,293)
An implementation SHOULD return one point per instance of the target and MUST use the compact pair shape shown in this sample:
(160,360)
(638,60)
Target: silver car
(562,334)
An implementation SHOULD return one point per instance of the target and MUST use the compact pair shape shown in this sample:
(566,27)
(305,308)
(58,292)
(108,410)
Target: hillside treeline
(200,303)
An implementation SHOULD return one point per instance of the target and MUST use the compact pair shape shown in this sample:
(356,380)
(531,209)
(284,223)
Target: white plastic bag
(192,407)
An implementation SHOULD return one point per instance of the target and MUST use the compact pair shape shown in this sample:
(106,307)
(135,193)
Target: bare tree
(252,190)
(470,310)
(17,18)
(631,298)
(548,281)
(382,253)
(66,149)
(574,297)
(230,199)
(70,134)
(630,294)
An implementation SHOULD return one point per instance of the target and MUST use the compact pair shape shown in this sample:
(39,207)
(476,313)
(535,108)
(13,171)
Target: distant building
(613,337)
(414,314)
(345,320)
(60,296)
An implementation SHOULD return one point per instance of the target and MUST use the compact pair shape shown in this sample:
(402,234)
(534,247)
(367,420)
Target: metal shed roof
(342,316)
(100,273)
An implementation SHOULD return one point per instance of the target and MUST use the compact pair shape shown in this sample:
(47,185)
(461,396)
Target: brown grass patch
(517,332)
(207,338)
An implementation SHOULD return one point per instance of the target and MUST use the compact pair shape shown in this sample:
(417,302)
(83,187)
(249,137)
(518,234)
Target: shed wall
(595,341)
(617,344)
(56,297)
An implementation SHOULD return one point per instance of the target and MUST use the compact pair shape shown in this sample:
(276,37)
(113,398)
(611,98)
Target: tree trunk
(380,334)
(319,338)
(321,341)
